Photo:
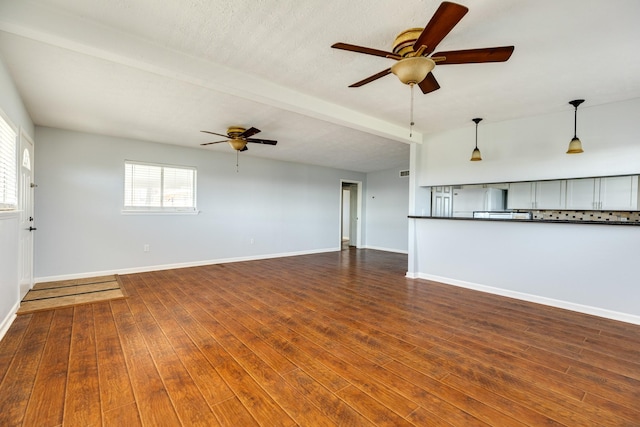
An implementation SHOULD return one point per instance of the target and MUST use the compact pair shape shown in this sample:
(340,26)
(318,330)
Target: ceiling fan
(238,138)
(412,48)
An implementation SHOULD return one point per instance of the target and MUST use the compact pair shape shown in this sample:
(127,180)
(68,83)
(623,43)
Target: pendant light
(475,155)
(575,146)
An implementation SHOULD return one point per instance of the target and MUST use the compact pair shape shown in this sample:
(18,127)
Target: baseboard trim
(145,269)
(566,305)
(8,320)
(378,248)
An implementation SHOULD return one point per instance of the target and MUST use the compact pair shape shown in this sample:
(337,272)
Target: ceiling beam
(49,25)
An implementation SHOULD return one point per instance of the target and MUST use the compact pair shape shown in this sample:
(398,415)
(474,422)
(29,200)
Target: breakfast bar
(586,270)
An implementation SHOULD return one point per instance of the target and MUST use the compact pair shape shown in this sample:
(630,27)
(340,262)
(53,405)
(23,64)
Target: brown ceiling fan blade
(213,133)
(249,132)
(372,78)
(215,142)
(429,84)
(474,56)
(366,50)
(262,141)
(442,22)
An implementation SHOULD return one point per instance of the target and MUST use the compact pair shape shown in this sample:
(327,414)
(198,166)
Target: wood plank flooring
(51,295)
(320,340)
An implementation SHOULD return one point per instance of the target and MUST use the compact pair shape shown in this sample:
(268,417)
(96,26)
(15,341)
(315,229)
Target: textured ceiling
(163,71)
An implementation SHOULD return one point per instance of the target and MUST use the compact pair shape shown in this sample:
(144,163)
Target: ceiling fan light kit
(575,146)
(475,155)
(413,70)
(237,144)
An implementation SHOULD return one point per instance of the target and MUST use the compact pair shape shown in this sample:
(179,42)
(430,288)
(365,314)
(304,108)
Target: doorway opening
(350,214)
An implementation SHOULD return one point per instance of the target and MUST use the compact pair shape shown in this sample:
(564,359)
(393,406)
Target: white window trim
(12,207)
(168,210)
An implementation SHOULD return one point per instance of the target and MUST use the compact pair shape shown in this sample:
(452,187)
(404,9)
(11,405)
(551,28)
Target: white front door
(25,200)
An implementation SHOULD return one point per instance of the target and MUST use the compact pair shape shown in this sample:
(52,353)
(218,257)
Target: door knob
(32,229)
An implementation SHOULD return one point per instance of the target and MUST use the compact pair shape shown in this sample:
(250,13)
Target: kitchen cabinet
(618,193)
(536,195)
(582,194)
(521,195)
(550,194)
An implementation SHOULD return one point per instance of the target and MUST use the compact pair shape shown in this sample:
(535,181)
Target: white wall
(529,260)
(387,201)
(590,268)
(534,148)
(9,279)
(286,208)
(14,109)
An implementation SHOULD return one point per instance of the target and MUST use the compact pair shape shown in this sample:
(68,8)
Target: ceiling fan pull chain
(237,155)
(411,113)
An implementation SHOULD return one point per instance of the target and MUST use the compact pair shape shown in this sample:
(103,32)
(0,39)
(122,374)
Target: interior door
(25,202)
(441,203)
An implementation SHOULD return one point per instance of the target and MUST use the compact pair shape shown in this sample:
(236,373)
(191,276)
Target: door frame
(27,208)
(358,228)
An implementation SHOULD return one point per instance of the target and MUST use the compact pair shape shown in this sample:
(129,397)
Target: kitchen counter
(546,221)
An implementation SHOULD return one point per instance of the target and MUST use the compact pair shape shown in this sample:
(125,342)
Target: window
(8,169)
(159,188)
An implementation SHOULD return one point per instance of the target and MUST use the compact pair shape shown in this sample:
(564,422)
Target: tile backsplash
(595,216)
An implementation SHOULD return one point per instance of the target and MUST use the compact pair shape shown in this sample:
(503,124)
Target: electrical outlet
(146,247)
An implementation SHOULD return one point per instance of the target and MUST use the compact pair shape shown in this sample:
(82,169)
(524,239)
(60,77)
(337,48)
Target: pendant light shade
(475,155)
(575,146)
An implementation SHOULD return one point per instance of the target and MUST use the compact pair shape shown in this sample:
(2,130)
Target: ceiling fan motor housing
(403,44)
(234,132)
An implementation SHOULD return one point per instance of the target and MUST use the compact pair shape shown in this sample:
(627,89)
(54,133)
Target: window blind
(8,169)
(152,187)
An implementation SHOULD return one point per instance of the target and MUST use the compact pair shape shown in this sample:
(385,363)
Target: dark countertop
(539,221)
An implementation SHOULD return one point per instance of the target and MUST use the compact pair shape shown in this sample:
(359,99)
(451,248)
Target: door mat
(50,295)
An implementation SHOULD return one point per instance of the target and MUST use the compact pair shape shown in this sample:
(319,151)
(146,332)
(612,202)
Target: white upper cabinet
(536,195)
(550,194)
(618,193)
(582,194)
(521,195)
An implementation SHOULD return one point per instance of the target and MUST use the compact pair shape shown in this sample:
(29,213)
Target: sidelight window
(8,169)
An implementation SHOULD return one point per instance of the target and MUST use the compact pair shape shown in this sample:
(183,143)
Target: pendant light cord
(575,123)
(477,134)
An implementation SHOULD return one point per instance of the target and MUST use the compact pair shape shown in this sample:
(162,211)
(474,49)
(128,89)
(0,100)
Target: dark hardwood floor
(330,339)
